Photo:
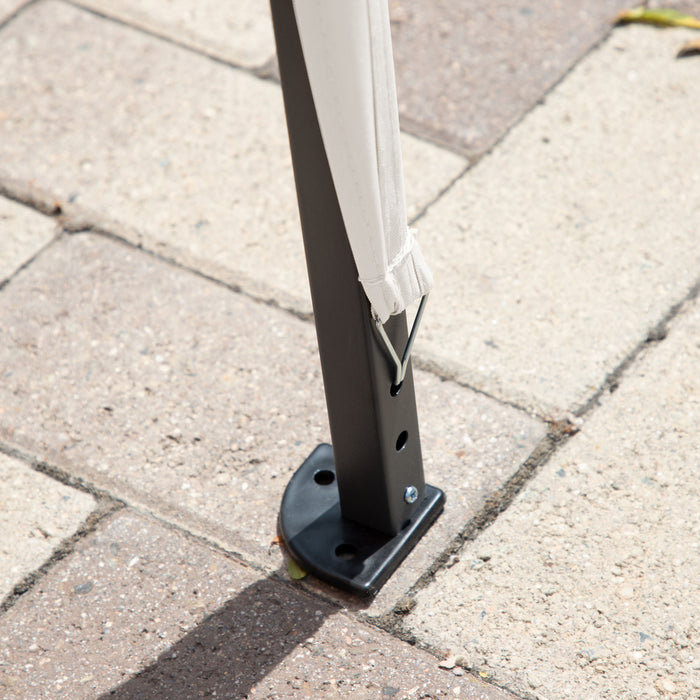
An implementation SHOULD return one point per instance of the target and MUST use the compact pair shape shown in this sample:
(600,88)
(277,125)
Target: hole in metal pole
(346,552)
(401,440)
(395,389)
(324,477)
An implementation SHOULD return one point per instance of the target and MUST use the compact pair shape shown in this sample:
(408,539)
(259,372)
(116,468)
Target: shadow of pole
(232,649)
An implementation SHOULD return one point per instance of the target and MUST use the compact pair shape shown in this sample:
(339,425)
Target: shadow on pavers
(233,648)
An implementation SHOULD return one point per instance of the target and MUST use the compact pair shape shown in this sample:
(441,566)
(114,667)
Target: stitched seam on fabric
(399,260)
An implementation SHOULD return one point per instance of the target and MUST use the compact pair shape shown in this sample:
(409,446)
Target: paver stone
(587,585)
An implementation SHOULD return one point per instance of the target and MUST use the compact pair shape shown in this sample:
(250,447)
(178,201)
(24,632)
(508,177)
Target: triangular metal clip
(401,365)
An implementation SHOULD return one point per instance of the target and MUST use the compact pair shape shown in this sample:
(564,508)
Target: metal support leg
(350,514)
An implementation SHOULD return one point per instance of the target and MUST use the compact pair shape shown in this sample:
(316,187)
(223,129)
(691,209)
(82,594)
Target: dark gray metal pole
(371,485)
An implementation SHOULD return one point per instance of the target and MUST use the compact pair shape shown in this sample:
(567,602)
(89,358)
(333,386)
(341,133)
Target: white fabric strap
(348,55)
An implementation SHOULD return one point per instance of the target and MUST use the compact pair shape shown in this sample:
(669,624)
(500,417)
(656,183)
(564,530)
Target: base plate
(336,550)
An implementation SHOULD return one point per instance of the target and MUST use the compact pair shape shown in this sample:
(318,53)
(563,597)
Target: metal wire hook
(401,365)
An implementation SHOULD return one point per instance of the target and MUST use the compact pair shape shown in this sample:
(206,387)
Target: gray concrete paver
(22,233)
(36,514)
(201,149)
(559,251)
(587,585)
(198,404)
(495,61)
(139,610)
(239,31)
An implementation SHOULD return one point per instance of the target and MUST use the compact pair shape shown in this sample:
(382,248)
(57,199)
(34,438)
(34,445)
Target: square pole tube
(350,514)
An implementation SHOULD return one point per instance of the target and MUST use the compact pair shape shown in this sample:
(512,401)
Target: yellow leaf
(692,48)
(295,571)
(661,17)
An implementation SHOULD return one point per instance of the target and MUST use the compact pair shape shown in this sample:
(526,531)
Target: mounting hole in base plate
(346,552)
(324,477)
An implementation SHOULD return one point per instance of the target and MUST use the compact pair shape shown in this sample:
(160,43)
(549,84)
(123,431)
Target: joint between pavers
(264,295)
(106,505)
(74,219)
(59,475)
(443,139)
(424,209)
(497,503)
(655,335)
(200,540)
(163,36)
(16,12)
(562,421)
(104,508)
(438,137)
(391,627)
(31,259)
(112,503)
(30,196)
(441,371)
(268,70)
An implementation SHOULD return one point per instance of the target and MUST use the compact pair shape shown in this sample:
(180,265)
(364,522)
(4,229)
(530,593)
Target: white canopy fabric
(348,56)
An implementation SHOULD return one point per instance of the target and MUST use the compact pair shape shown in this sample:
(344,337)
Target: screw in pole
(410,495)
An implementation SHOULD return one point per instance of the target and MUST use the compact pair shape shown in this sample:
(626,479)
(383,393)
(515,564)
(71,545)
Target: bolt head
(410,495)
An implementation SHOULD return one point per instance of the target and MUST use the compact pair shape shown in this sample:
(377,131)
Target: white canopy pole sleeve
(348,56)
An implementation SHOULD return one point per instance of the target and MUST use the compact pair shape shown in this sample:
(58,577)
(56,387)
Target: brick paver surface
(197,403)
(138,611)
(156,352)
